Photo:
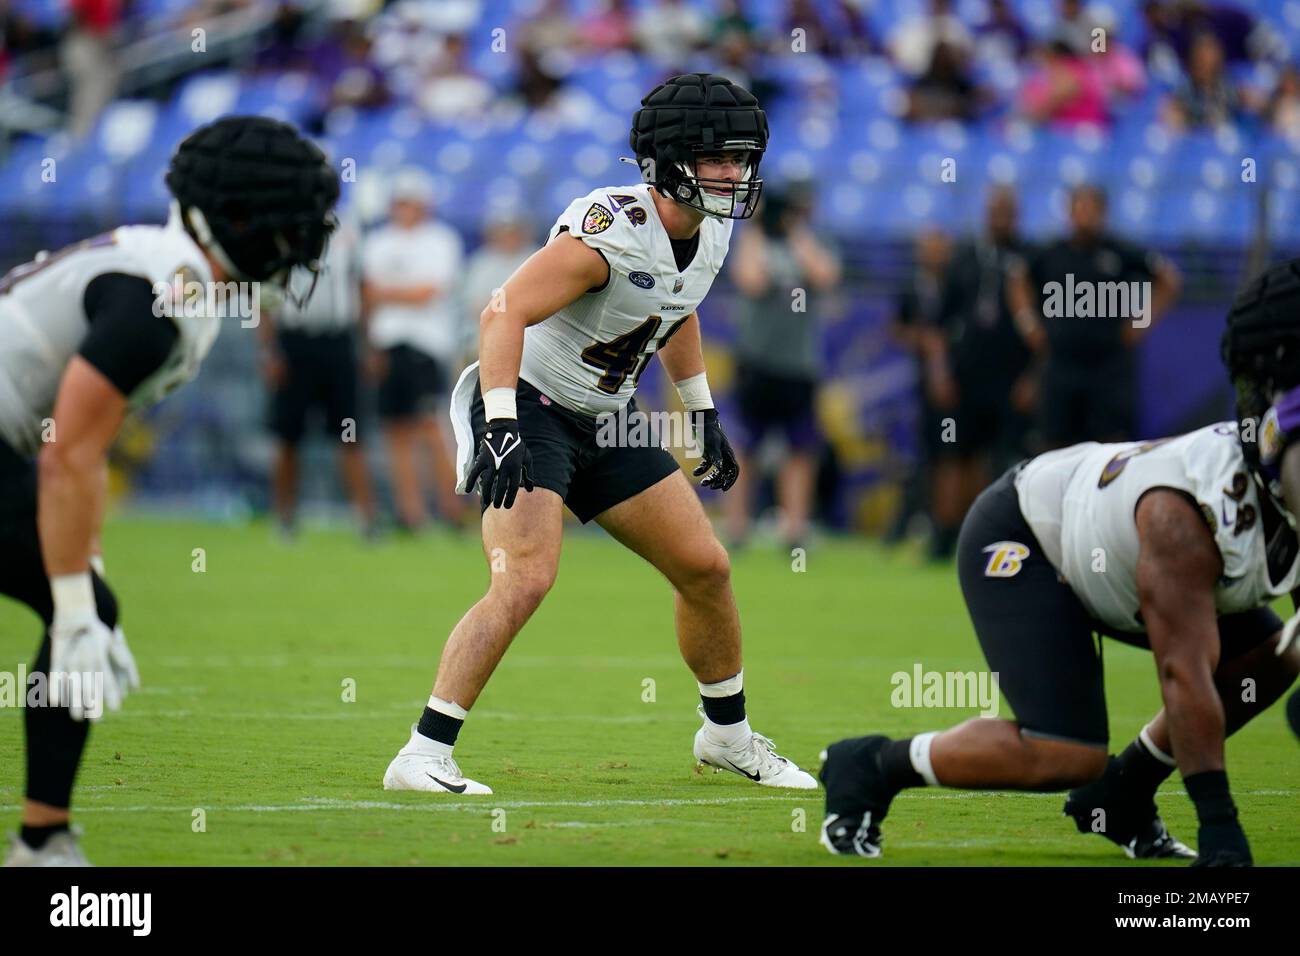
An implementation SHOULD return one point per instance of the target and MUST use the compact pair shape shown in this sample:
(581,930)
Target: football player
(566,341)
(1177,545)
(87,334)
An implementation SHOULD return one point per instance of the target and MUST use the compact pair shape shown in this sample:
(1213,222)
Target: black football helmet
(1261,349)
(692,115)
(257,195)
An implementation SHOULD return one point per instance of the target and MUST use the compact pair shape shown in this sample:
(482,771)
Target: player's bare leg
(795,490)
(450,505)
(667,526)
(522,548)
(1248,685)
(407,494)
(284,485)
(736,504)
(862,775)
(356,478)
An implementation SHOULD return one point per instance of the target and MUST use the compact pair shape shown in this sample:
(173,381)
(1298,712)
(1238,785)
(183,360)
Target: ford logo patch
(644,279)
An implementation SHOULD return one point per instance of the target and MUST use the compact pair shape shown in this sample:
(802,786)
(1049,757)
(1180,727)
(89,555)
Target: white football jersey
(1081,502)
(590,354)
(43,320)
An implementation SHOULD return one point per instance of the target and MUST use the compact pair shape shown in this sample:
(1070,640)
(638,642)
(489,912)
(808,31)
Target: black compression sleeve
(127,342)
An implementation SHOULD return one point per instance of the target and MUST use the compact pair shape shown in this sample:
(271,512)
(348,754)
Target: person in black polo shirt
(1085,301)
(984,367)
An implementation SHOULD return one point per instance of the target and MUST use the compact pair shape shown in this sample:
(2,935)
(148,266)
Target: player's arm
(1177,570)
(1023,305)
(128,341)
(551,278)
(683,359)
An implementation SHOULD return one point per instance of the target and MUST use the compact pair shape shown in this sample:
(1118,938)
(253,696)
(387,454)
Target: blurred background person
(1089,380)
(783,274)
(507,241)
(914,325)
(1067,90)
(90,61)
(913,41)
(309,361)
(411,266)
(981,367)
(1207,96)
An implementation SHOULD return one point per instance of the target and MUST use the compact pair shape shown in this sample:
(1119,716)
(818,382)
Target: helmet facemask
(719,198)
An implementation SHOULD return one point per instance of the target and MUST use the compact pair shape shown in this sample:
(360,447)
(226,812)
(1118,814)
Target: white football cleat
(755,759)
(417,767)
(59,850)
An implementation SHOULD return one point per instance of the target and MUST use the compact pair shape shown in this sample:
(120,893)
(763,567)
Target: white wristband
(97,564)
(73,594)
(694,392)
(499,403)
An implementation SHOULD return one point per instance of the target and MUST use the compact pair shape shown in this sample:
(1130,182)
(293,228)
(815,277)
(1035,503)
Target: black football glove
(719,460)
(503,463)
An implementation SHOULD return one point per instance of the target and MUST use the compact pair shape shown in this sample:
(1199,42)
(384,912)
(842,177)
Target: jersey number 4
(618,357)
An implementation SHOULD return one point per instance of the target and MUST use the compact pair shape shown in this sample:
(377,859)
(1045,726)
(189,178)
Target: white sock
(729,735)
(919,751)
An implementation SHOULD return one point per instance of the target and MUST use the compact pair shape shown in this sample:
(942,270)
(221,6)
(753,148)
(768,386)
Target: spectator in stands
(1000,36)
(309,360)
(945,91)
(1089,383)
(815,36)
(1283,111)
(612,28)
(536,84)
(507,241)
(343,60)
(549,30)
(1208,97)
(1121,69)
(669,31)
(411,266)
(782,273)
(913,41)
(1067,90)
(915,325)
(980,376)
(90,61)
(851,30)
(451,90)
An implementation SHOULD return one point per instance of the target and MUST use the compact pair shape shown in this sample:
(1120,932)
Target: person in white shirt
(410,269)
(507,242)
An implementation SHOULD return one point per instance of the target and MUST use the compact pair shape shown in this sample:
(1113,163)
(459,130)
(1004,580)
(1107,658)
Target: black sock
(35,837)
(439,726)
(1141,772)
(896,762)
(725,710)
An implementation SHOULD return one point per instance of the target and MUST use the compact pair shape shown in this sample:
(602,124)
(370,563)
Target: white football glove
(82,674)
(123,663)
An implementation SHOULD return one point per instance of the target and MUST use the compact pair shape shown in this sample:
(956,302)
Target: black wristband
(1209,791)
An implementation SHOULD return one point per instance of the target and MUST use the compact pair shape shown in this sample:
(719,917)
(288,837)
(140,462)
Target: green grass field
(242,713)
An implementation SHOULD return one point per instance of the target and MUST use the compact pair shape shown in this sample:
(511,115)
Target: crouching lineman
(618,282)
(85,335)
(1199,537)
